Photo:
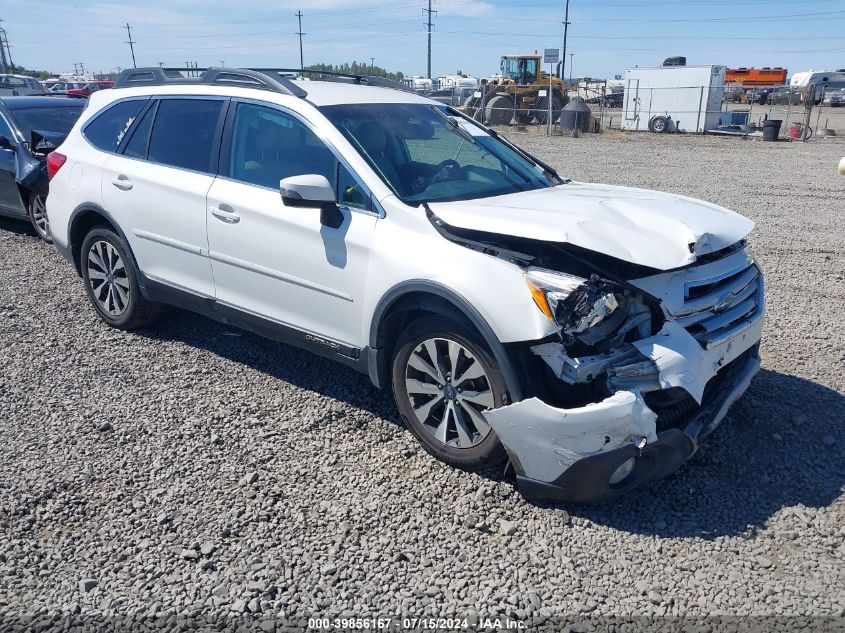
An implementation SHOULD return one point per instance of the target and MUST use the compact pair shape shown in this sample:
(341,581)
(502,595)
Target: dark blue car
(30,128)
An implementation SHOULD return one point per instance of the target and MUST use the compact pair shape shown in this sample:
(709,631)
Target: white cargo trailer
(685,98)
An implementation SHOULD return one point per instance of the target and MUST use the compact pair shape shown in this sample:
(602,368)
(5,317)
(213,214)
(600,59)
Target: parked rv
(824,80)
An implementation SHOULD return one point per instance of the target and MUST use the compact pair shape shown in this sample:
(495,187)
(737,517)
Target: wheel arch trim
(463,307)
(89,207)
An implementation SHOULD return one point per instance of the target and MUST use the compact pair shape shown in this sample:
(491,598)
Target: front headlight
(549,288)
(573,303)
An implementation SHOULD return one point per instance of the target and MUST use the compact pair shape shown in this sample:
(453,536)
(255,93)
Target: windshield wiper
(452,123)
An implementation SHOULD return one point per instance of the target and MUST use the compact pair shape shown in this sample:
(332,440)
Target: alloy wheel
(448,389)
(39,216)
(107,278)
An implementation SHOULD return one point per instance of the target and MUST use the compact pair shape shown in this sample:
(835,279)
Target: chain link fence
(731,109)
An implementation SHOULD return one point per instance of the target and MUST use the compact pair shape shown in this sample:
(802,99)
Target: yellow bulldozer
(519,94)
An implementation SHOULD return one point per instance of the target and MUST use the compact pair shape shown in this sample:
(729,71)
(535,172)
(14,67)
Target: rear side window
(108,128)
(184,133)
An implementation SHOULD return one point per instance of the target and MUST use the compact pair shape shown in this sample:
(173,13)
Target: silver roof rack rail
(241,77)
(366,80)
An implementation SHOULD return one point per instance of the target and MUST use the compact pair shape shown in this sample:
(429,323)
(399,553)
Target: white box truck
(673,98)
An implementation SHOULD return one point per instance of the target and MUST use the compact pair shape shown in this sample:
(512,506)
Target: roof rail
(245,78)
(369,80)
(276,79)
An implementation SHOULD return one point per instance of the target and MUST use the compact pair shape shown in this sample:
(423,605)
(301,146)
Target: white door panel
(280,262)
(162,210)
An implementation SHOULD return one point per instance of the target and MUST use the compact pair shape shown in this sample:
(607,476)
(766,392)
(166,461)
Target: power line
(131,45)
(429,25)
(300,34)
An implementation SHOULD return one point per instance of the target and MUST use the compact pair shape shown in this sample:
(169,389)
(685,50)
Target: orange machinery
(756,76)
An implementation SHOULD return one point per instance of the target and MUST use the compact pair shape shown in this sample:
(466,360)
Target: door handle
(225,213)
(122,182)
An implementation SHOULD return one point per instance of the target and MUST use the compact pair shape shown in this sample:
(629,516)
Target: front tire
(37,211)
(111,281)
(444,377)
(498,110)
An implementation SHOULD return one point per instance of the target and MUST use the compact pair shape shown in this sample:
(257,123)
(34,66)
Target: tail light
(54,163)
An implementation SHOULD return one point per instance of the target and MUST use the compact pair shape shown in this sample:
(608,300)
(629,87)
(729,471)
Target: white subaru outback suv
(590,334)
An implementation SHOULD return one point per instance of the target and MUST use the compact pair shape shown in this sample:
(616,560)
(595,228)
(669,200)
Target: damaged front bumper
(608,448)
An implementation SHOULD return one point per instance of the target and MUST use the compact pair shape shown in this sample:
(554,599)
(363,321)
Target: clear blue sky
(606,36)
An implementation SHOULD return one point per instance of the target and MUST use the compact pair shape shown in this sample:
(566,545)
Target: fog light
(622,472)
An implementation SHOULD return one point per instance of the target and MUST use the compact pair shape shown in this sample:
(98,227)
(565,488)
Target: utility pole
(565,31)
(300,34)
(131,44)
(571,55)
(222,63)
(5,53)
(6,65)
(372,65)
(429,25)
(161,64)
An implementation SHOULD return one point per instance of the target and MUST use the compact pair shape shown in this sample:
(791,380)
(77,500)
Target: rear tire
(542,111)
(443,378)
(37,211)
(111,281)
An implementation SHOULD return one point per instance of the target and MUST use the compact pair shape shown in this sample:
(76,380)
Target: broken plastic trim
(545,440)
(585,469)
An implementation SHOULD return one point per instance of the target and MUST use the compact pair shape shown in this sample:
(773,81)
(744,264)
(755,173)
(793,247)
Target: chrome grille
(717,308)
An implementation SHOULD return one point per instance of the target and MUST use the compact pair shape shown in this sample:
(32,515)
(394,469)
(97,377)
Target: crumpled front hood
(649,228)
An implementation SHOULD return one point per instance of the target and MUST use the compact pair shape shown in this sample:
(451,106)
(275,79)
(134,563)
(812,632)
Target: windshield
(425,154)
(521,70)
(58,120)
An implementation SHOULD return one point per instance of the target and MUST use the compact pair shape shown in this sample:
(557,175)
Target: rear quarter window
(107,129)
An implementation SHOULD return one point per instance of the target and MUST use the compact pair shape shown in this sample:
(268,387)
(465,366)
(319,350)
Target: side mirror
(5,143)
(312,191)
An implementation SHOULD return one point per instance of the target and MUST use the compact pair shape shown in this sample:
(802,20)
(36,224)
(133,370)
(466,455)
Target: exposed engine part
(601,321)
(625,367)
(585,368)
(643,376)
(586,316)
(598,316)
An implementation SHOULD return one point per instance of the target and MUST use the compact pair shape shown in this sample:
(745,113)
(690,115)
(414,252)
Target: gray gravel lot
(190,469)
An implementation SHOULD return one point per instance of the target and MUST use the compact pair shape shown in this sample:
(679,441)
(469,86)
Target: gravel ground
(188,469)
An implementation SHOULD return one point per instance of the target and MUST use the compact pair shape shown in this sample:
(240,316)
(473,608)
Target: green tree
(38,74)
(354,68)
